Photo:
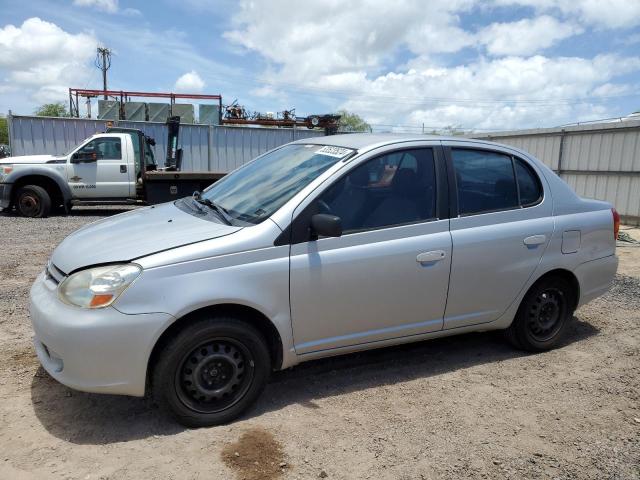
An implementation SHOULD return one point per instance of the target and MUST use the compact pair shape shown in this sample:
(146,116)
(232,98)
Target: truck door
(100,169)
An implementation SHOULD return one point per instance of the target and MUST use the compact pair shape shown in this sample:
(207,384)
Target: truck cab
(105,167)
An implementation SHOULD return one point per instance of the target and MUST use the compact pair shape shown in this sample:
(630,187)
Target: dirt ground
(462,407)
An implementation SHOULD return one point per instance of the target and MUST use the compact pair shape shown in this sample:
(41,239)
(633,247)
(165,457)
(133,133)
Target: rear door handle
(535,240)
(433,256)
(123,169)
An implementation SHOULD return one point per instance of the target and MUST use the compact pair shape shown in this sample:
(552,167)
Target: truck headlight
(98,287)
(5,169)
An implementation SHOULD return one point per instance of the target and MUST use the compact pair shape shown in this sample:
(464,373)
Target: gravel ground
(462,407)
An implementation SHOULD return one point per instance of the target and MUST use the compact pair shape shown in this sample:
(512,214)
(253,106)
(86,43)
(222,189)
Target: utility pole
(103,62)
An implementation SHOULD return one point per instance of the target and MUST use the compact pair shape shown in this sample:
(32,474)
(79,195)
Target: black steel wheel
(544,314)
(211,371)
(215,375)
(33,201)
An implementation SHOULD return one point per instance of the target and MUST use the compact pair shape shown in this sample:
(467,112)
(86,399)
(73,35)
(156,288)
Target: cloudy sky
(484,65)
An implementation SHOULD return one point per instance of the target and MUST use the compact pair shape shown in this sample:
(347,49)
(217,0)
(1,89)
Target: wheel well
(250,315)
(47,183)
(570,278)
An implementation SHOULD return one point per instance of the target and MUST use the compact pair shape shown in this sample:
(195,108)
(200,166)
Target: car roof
(368,141)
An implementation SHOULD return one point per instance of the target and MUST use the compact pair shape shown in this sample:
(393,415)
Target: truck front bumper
(101,350)
(5,195)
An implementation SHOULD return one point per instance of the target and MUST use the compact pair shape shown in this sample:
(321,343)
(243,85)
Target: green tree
(352,122)
(4,131)
(57,109)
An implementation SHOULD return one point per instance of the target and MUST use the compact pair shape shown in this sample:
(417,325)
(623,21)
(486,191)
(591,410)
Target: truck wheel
(33,201)
(211,371)
(543,316)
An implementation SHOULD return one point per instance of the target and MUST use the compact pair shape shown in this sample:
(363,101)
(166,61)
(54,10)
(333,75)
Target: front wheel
(212,371)
(543,316)
(33,201)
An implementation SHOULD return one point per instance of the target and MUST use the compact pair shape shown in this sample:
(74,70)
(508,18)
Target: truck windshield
(255,191)
(76,146)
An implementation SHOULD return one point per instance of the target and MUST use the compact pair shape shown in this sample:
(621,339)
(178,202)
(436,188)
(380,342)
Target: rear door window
(491,181)
(486,181)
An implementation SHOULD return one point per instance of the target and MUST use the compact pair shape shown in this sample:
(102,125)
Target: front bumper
(5,195)
(101,351)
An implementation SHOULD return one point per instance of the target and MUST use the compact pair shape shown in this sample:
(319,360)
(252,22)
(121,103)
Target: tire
(33,201)
(211,372)
(543,316)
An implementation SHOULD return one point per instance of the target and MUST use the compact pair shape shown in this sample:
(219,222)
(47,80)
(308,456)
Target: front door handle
(535,240)
(433,256)
(123,169)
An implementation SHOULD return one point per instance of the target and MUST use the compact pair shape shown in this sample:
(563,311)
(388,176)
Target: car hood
(134,234)
(30,159)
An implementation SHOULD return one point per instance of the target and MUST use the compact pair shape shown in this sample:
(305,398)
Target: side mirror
(325,225)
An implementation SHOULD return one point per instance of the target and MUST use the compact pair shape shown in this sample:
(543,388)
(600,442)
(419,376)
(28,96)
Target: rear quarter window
(528,184)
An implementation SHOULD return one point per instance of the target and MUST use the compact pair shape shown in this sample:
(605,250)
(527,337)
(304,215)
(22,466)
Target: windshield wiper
(220,210)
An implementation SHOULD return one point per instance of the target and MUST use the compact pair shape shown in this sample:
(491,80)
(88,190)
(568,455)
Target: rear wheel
(212,371)
(33,201)
(543,316)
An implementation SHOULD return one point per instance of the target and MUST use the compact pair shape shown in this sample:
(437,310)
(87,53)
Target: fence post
(560,152)
(209,146)
(9,130)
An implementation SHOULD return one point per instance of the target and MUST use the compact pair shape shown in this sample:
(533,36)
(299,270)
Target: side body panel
(55,172)
(243,268)
(368,286)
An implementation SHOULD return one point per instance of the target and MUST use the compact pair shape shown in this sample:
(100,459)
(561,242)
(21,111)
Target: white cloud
(344,57)
(189,83)
(109,6)
(598,13)
(43,60)
(526,36)
(326,37)
(502,93)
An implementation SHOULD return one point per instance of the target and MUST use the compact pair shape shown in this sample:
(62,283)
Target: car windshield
(255,191)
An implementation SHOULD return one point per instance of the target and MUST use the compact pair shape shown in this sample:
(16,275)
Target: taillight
(616,223)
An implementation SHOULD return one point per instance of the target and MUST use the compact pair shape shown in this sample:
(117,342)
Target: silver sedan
(321,247)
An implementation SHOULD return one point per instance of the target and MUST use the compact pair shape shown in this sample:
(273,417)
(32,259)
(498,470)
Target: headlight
(98,287)
(5,170)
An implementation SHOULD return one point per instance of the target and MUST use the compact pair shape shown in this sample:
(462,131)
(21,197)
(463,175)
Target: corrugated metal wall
(206,147)
(597,160)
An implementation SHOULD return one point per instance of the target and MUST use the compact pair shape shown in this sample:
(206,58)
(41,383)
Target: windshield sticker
(337,152)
